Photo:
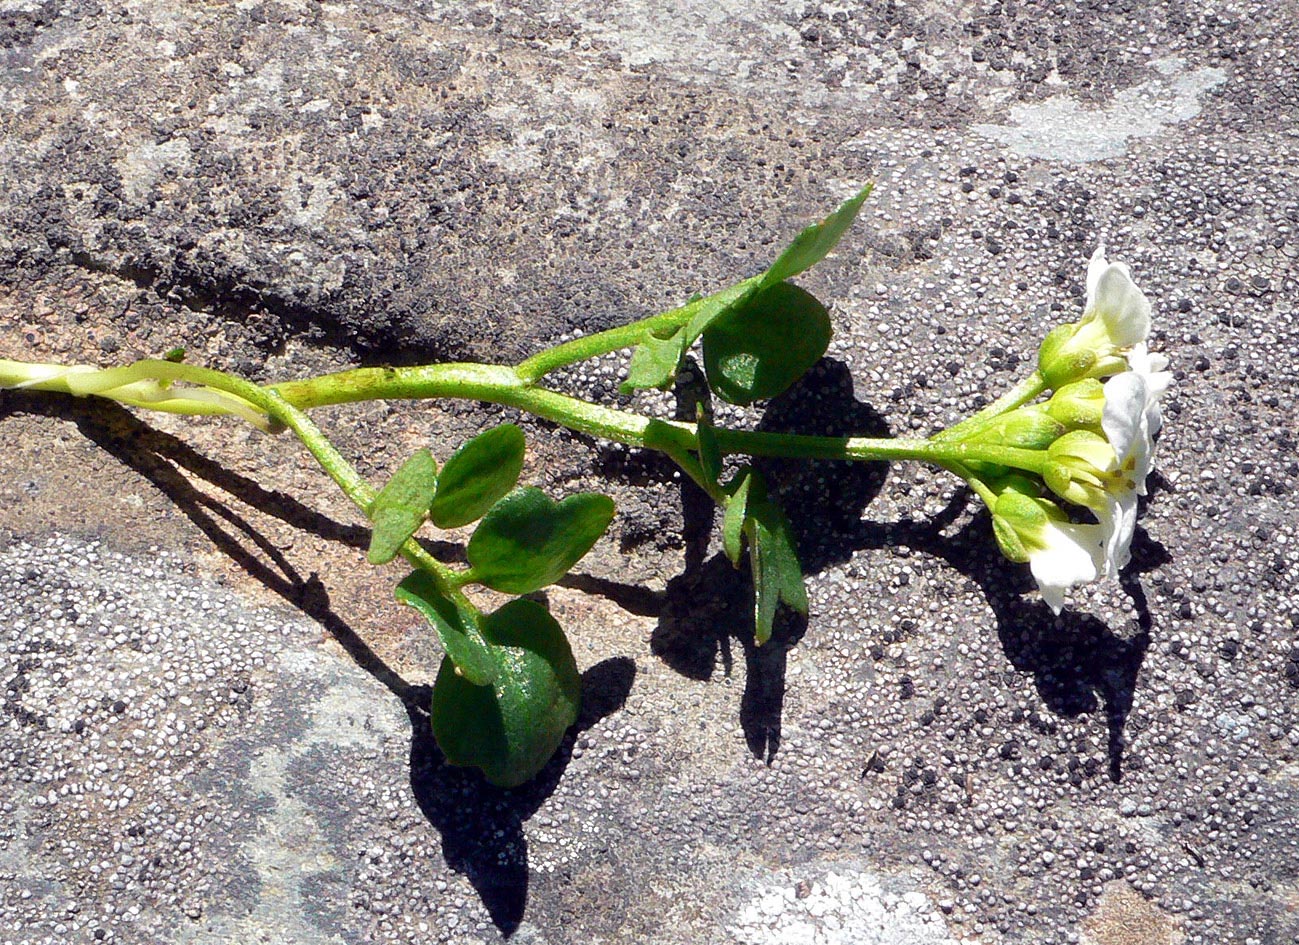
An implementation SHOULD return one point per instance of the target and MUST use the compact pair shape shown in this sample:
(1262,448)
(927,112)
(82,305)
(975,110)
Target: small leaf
(777,575)
(511,728)
(816,242)
(710,454)
(654,362)
(477,475)
(758,349)
(175,355)
(737,513)
(399,509)
(528,541)
(456,626)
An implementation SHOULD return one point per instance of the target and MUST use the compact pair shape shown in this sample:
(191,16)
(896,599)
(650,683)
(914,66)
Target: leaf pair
(474,479)
(752,517)
(759,336)
(508,687)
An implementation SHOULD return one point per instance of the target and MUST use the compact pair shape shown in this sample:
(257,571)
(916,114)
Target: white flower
(1067,554)
(1115,303)
(1129,419)
(1150,368)
(1115,320)
(1060,553)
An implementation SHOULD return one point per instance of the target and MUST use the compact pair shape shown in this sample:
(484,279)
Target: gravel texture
(213,725)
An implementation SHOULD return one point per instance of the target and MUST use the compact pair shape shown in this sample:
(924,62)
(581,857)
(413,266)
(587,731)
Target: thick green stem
(357,489)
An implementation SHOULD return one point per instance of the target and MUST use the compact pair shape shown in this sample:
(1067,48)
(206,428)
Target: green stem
(501,385)
(1026,390)
(358,490)
(614,339)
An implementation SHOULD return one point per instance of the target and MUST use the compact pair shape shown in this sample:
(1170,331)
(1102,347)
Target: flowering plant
(1060,461)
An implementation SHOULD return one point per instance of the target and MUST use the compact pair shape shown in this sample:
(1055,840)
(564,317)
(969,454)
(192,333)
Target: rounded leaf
(398,511)
(511,728)
(477,475)
(528,541)
(455,622)
(762,347)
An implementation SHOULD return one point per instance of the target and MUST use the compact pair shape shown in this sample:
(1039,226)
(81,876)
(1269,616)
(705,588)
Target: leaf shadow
(1079,665)
(481,826)
(710,604)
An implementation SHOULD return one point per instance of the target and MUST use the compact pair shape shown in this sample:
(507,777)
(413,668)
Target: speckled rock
(213,722)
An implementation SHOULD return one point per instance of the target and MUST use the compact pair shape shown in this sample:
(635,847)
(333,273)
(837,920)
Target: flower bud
(1028,428)
(1015,520)
(1015,480)
(1078,405)
(1078,468)
(1064,356)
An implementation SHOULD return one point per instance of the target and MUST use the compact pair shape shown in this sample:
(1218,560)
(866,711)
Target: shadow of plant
(481,825)
(1078,664)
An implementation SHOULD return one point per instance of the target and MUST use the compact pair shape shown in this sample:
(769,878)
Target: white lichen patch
(1061,129)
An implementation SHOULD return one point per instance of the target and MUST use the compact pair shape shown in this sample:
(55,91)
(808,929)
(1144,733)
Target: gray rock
(290,187)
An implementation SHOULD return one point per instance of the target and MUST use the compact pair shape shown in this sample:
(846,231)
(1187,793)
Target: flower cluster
(1090,445)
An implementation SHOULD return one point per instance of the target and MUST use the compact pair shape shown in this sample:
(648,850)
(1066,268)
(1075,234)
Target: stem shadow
(481,825)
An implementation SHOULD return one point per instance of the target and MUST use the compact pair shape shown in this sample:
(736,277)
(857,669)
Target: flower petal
(1069,555)
(1123,418)
(1119,523)
(1095,266)
(1123,307)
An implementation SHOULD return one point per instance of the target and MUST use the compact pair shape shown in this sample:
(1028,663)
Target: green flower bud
(1078,468)
(1065,356)
(1078,406)
(1018,481)
(1008,540)
(1029,428)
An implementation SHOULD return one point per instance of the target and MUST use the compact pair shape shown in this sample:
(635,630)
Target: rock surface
(213,726)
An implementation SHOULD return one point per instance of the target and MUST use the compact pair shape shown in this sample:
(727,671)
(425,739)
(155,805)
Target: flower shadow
(1079,665)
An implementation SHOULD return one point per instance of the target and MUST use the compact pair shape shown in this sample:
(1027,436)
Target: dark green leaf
(399,509)
(511,728)
(777,575)
(761,347)
(815,242)
(175,355)
(710,455)
(527,541)
(654,362)
(716,306)
(477,475)
(456,626)
(737,513)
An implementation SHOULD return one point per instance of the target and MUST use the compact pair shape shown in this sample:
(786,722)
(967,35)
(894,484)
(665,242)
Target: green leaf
(456,625)
(710,454)
(399,509)
(758,349)
(777,575)
(654,362)
(477,475)
(175,355)
(511,728)
(815,242)
(528,541)
(737,513)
